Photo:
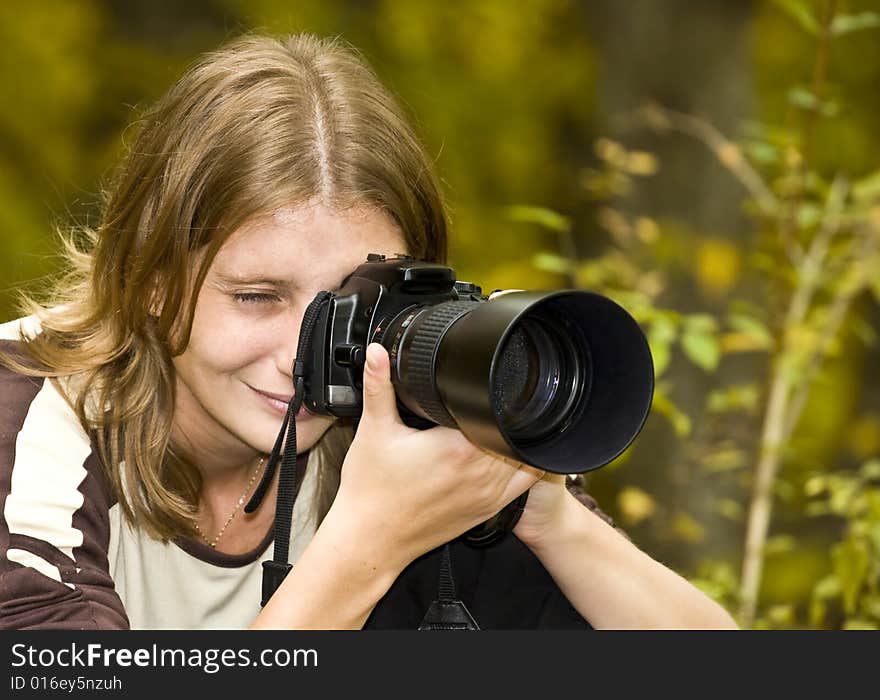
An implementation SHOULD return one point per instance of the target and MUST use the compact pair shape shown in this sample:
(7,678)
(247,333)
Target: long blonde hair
(261,123)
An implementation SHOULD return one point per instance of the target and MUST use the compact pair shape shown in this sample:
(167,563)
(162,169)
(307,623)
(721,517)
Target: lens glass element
(538,377)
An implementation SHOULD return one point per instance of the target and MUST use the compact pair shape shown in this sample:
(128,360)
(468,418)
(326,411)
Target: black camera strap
(447,612)
(276,570)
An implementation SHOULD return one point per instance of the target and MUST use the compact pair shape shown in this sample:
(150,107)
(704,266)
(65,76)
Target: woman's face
(234,378)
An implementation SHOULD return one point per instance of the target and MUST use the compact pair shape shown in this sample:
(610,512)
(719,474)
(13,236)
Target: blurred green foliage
(763,327)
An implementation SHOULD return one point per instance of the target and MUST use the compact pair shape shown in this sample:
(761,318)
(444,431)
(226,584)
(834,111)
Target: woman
(140,404)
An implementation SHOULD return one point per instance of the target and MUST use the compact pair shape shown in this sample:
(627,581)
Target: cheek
(225,340)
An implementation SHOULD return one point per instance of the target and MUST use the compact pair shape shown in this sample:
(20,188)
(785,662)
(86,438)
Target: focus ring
(421,348)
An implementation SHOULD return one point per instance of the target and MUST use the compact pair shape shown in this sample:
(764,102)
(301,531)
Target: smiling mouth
(279,404)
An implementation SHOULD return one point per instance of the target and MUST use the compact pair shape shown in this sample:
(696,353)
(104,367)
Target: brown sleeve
(54,515)
(576,488)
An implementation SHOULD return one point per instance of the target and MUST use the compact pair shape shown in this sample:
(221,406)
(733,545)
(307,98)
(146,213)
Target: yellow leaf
(718,266)
(863,436)
(641,163)
(635,505)
(687,528)
(611,152)
(615,223)
(741,342)
(647,230)
(729,508)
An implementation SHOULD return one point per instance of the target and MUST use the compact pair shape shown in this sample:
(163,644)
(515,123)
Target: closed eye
(255,297)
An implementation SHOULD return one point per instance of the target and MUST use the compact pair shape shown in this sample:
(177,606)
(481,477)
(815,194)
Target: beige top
(69,560)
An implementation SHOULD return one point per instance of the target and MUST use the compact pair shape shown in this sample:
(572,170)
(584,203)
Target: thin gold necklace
(213,543)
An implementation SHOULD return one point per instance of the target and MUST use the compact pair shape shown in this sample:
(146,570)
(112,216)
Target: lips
(284,398)
(278,402)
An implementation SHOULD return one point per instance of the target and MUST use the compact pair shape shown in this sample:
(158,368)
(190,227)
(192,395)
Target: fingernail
(373,356)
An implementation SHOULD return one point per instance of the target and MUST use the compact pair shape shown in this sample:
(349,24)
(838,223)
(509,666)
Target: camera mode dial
(467,288)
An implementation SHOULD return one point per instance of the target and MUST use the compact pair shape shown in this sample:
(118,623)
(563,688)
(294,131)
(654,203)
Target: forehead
(310,243)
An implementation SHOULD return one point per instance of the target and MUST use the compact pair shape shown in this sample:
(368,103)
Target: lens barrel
(559,380)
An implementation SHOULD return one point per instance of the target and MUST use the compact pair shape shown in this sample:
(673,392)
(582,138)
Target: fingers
(524,477)
(380,404)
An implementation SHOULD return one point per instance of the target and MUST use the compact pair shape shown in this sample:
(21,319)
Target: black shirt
(503,585)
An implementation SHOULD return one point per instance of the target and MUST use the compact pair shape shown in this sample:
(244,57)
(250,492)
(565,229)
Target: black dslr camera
(561,380)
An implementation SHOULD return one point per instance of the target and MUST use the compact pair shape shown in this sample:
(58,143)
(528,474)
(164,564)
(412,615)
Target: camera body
(560,380)
(369,306)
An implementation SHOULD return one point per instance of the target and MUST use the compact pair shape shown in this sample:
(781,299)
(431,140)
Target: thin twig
(836,316)
(775,419)
(810,269)
(728,153)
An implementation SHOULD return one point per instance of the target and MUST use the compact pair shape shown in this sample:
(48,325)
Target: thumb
(380,404)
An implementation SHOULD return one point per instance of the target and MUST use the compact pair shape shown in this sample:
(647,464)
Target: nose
(287,354)
(287,342)
(313,307)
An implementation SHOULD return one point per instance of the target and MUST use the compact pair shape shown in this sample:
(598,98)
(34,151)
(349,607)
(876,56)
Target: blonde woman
(138,406)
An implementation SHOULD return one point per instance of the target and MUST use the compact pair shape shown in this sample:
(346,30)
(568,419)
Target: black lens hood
(613,410)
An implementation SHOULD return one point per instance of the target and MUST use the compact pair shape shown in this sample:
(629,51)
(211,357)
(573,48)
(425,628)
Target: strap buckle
(274,572)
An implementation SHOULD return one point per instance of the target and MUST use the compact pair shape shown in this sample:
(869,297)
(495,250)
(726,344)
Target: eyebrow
(234,279)
(245,280)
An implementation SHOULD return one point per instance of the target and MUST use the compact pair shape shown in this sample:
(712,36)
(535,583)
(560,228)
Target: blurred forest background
(714,165)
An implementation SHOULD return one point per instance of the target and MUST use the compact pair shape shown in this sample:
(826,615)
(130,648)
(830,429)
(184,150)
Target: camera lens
(537,380)
(559,380)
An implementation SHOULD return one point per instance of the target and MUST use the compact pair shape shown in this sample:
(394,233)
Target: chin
(308,433)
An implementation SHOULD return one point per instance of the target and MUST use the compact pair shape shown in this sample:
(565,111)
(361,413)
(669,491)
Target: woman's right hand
(413,490)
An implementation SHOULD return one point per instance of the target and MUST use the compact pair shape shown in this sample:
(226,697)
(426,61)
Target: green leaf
(815,485)
(867,188)
(851,562)
(827,588)
(700,323)
(801,13)
(663,329)
(858,623)
(723,460)
(874,536)
(875,288)
(781,615)
(864,331)
(842,491)
(817,613)
(817,510)
(803,98)
(739,397)
(660,355)
(681,423)
(780,544)
(539,215)
(661,334)
(752,327)
(844,24)
(871,605)
(783,490)
(809,215)
(550,262)
(871,469)
(729,508)
(762,152)
(702,349)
